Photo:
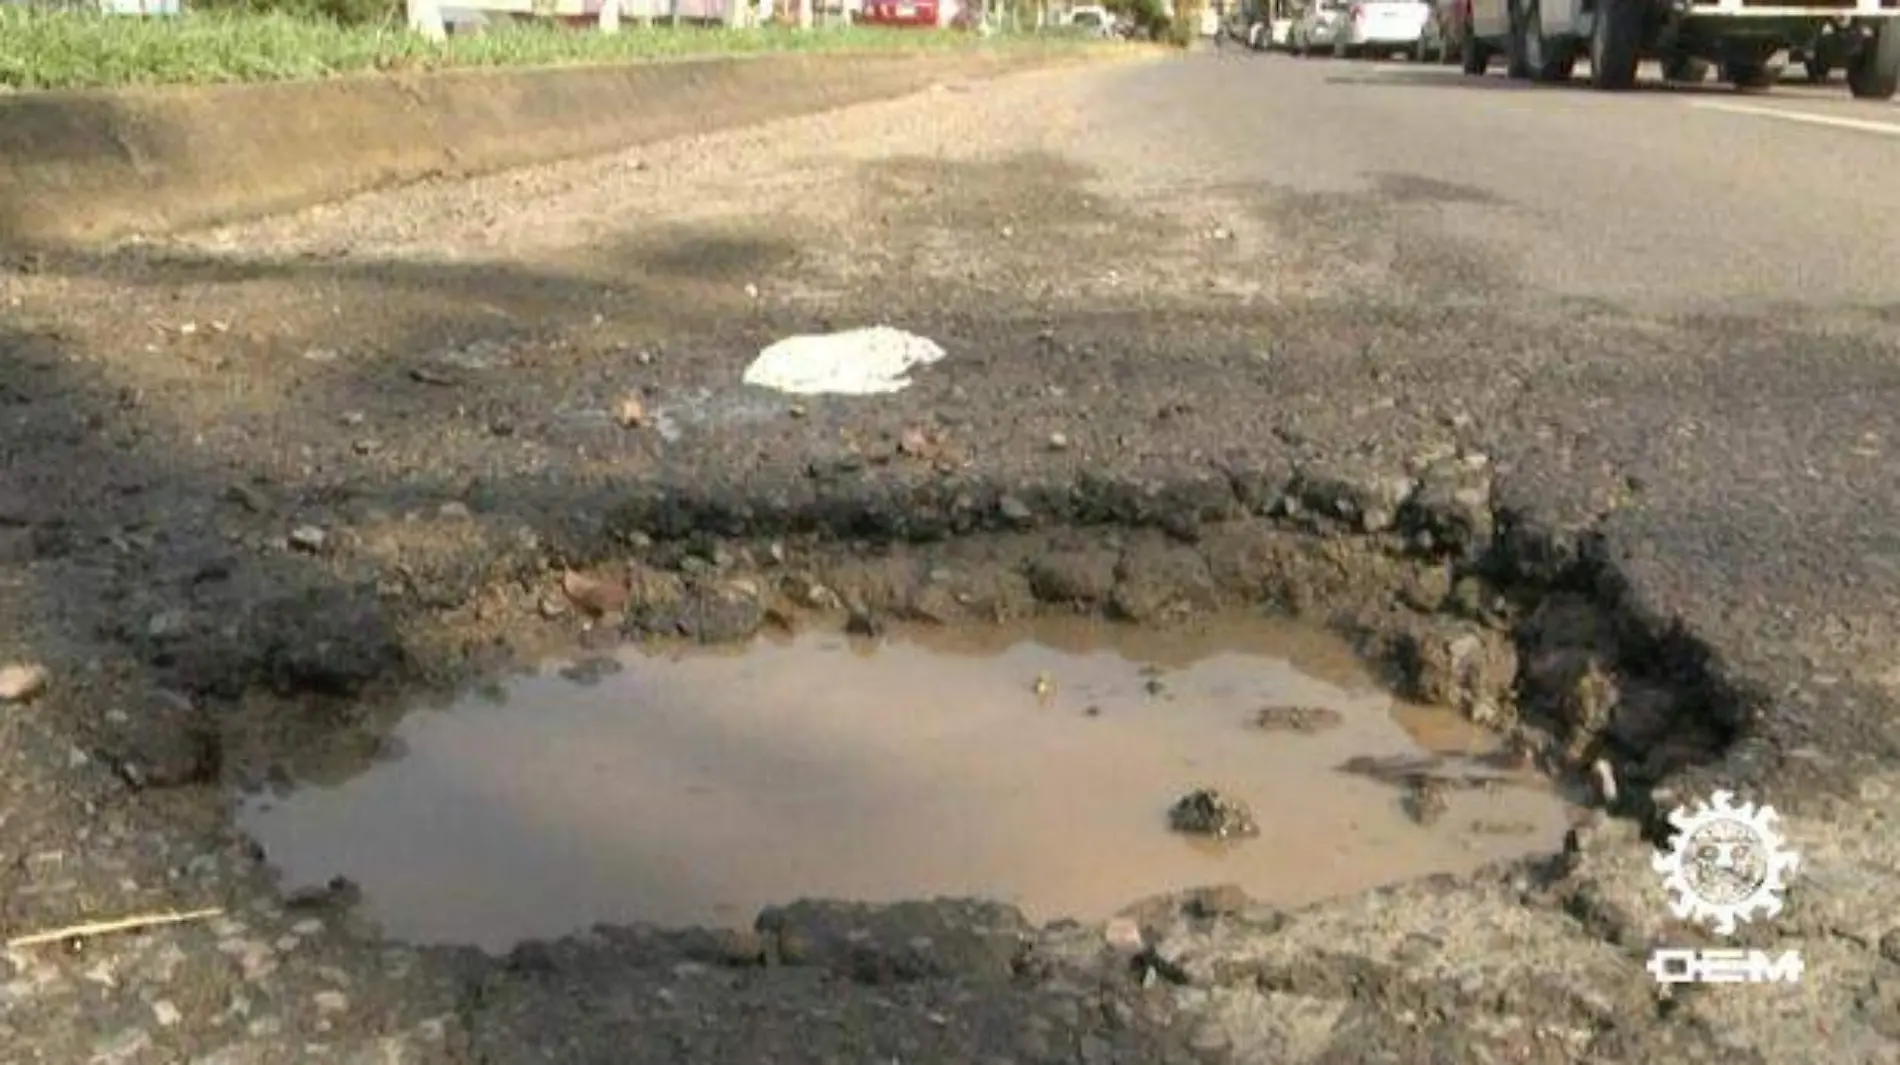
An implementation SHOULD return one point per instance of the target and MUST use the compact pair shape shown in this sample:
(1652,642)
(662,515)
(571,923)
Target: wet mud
(1033,763)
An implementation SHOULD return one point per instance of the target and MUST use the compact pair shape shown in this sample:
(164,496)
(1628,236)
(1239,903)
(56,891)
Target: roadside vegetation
(1150,18)
(254,41)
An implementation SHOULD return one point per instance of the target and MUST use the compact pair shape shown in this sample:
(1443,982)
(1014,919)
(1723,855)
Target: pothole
(1035,763)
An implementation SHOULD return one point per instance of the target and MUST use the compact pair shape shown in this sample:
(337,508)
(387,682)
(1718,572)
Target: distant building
(139,7)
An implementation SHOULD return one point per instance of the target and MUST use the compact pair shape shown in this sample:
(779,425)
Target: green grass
(41,49)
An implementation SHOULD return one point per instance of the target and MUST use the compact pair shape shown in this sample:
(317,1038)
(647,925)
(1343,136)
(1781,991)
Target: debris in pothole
(1304,719)
(1588,706)
(1426,800)
(856,362)
(21,681)
(631,414)
(1209,812)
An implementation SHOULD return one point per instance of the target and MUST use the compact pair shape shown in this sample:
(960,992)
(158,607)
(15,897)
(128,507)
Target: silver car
(1315,27)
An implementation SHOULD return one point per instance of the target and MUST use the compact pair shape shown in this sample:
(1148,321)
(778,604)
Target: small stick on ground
(92,929)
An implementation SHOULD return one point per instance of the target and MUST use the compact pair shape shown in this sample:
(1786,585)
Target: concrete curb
(81,168)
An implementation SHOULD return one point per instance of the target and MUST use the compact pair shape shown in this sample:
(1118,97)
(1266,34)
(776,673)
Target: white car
(1314,28)
(1381,27)
(1092,18)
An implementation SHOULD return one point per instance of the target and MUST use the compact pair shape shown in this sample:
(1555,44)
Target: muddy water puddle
(1035,764)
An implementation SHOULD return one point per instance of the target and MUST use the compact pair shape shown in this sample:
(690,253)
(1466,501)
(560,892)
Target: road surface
(341,453)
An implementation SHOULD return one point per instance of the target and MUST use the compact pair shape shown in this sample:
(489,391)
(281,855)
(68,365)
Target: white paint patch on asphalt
(1860,125)
(856,362)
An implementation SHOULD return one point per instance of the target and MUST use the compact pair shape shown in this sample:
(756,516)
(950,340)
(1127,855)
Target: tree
(1150,17)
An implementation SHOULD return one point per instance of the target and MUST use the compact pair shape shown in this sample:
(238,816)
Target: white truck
(1542,40)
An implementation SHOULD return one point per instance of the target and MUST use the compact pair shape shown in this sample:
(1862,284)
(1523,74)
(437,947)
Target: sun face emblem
(1725,864)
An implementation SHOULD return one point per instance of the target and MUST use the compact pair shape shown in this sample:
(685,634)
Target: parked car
(1092,19)
(1381,28)
(1237,19)
(1315,26)
(921,14)
(1444,37)
(1275,24)
(1541,40)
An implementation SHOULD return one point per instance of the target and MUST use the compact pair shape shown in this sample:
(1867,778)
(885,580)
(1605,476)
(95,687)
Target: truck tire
(1874,71)
(1685,69)
(1547,60)
(1473,54)
(1517,65)
(1752,75)
(1616,45)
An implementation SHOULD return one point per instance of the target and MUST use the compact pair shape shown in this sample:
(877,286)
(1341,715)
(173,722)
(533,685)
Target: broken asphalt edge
(1453,516)
(1420,517)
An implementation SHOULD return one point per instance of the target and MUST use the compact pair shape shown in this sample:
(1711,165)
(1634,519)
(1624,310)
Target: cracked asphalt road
(1672,330)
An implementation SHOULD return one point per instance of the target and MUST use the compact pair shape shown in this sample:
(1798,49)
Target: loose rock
(309,539)
(966,938)
(631,414)
(21,681)
(1208,812)
(594,595)
(1123,934)
(1015,511)
(163,742)
(1426,800)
